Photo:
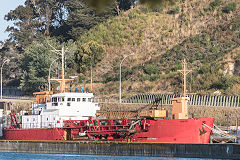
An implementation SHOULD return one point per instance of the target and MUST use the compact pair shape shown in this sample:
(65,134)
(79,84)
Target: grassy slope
(198,32)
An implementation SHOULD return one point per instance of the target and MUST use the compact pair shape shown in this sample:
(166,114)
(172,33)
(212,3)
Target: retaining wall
(230,151)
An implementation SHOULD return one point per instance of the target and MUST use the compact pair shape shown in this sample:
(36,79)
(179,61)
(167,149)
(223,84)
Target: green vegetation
(36,62)
(215,3)
(118,32)
(88,55)
(151,69)
(230,7)
(224,83)
(206,47)
(174,10)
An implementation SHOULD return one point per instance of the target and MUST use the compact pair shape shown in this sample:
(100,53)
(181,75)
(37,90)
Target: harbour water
(33,156)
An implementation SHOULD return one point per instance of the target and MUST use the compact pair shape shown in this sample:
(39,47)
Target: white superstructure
(51,110)
(62,106)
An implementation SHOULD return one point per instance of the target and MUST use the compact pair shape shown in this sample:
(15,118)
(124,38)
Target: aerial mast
(184,72)
(63,80)
(180,104)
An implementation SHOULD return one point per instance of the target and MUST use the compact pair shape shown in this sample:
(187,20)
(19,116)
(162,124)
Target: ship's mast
(185,71)
(63,63)
(180,104)
(63,80)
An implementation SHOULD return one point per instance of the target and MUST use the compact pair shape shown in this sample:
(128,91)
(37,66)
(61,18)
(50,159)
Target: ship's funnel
(180,108)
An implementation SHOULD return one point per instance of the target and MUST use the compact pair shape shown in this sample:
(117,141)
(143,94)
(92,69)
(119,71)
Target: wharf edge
(223,151)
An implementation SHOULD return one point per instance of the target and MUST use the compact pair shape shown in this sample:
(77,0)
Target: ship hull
(169,131)
(177,131)
(32,134)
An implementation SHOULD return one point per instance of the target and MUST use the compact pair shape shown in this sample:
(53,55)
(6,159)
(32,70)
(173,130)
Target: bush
(89,54)
(81,79)
(223,83)
(229,7)
(212,68)
(151,69)
(144,77)
(174,10)
(133,14)
(154,77)
(178,66)
(109,78)
(215,4)
(126,73)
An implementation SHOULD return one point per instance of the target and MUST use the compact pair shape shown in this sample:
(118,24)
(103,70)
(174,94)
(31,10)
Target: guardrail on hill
(19,98)
(195,100)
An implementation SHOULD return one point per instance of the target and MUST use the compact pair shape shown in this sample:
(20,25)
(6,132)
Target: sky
(6,6)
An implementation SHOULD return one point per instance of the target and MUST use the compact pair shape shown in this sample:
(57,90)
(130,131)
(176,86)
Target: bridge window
(78,99)
(55,104)
(84,99)
(61,99)
(54,99)
(89,99)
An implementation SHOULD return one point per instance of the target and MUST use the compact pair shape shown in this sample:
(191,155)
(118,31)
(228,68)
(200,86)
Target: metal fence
(195,100)
(19,98)
(12,91)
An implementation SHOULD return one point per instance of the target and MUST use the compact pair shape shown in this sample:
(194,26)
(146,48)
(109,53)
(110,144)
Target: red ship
(146,130)
(71,116)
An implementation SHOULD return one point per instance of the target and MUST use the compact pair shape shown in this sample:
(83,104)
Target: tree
(34,20)
(88,54)
(81,17)
(11,70)
(25,28)
(30,82)
(126,4)
(64,19)
(36,61)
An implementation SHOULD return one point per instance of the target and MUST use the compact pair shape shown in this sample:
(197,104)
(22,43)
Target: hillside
(206,33)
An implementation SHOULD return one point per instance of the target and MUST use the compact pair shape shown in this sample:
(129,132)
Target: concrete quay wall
(229,151)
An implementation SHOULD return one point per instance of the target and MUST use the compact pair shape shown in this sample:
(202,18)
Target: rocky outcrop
(231,63)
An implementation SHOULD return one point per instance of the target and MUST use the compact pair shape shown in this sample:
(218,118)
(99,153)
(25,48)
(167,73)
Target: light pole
(120,78)
(7,60)
(49,82)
